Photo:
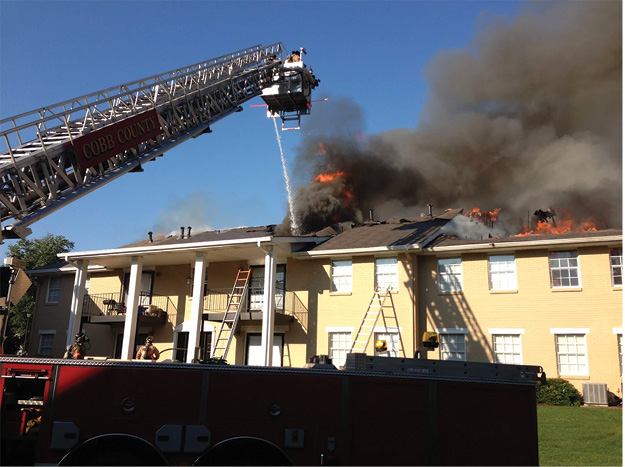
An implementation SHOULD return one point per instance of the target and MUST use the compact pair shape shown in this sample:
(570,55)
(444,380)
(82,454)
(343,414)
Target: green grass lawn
(580,435)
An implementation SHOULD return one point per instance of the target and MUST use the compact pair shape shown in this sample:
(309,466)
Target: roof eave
(527,244)
(356,251)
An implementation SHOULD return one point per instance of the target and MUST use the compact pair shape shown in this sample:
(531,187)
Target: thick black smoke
(529,116)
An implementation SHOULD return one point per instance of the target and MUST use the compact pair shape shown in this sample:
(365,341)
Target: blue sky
(371,53)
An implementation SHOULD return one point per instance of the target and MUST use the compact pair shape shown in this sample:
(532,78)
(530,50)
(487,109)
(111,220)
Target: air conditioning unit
(595,394)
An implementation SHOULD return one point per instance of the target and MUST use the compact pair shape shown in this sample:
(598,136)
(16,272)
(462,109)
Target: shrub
(557,391)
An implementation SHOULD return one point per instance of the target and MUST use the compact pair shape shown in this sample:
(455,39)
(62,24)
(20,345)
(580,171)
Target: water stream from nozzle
(294,223)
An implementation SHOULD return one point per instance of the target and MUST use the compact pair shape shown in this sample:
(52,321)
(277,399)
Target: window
(507,348)
(46,338)
(450,275)
(392,343)
(54,290)
(386,274)
(571,354)
(452,346)
(340,343)
(341,276)
(564,268)
(502,272)
(616,263)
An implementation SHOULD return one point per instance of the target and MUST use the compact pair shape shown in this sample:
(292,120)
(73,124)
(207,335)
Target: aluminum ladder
(236,302)
(39,168)
(381,305)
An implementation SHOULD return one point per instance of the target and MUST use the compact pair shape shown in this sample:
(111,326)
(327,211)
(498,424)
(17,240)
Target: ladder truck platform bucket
(289,97)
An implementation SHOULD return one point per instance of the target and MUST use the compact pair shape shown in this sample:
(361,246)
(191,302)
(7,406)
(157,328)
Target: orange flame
(327,177)
(567,225)
(486,216)
(322,148)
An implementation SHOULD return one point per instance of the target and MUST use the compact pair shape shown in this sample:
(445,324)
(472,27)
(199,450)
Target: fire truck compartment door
(64,435)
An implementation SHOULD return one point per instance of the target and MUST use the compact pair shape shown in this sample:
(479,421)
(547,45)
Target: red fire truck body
(379,411)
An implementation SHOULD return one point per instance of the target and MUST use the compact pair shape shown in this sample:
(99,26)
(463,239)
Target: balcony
(109,308)
(288,307)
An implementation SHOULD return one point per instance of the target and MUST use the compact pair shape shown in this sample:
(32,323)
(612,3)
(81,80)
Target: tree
(36,253)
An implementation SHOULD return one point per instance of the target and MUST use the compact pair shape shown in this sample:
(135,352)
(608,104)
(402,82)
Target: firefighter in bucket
(148,351)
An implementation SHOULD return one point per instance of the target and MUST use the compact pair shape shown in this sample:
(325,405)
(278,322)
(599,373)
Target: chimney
(150,236)
(188,232)
(430,210)
(182,233)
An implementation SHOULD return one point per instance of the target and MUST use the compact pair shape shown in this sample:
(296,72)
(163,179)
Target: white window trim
(48,301)
(438,276)
(579,271)
(395,286)
(569,330)
(339,329)
(572,331)
(383,329)
(351,275)
(452,330)
(620,286)
(506,331)
(490,282)
(46,332)
(617,330)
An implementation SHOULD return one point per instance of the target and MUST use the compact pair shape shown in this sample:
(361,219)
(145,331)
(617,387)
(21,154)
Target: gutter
(302,255)
(137,251)
(526,245)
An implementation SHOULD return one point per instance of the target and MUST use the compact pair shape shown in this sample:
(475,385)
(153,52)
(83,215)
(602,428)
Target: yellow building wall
(347,310)
(535,308)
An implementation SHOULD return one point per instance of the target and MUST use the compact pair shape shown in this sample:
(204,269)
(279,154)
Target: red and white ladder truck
(374,411)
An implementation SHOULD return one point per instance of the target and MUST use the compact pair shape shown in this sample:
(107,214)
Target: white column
(197,306)
(78,298)
(269,305)
(132,305)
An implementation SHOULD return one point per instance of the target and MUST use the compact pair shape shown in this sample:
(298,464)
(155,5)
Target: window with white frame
(616,264)
(507,348)
(340,343)
(392,343)
(571,354)
(502,272)
(564,268)
(450,275)
(452,346)
(46,338)
(54,290)
(386,277)
(341,273)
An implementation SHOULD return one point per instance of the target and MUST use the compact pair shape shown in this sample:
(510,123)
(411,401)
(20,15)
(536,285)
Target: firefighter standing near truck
(78,349)
(148,351)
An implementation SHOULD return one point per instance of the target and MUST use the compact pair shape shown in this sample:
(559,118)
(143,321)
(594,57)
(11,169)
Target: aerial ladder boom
(54,155)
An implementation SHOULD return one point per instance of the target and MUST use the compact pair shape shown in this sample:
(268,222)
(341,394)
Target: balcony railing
(111,304)
(216,301)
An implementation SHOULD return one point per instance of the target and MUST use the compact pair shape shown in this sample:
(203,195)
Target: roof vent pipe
(182,232)
(150,236)
(370,215)
(188,232)
(430,210)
